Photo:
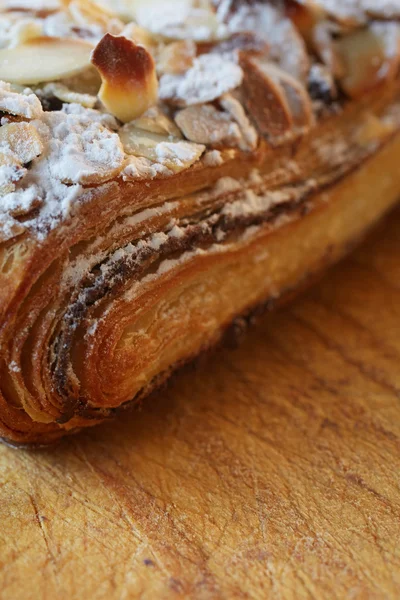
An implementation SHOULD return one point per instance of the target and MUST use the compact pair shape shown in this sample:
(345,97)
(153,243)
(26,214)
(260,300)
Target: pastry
(166,168)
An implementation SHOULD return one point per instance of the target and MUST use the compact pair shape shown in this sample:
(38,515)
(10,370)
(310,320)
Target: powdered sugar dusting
(209,77)
(25,104)
(76,149)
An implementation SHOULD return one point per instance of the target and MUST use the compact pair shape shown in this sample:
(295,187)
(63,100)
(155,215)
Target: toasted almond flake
(288,49)
(63,93)
(204,124)
(236,110)
(210,77)
(140,142)
(178,156)
(128,73)
(44,59)
(141,36)
(171,152)
(155,121)
(273,118)
(369,56)
(23,104)
(11,171)
(22,139)
(25,30)
(176,58)
(181,19)
(85,12)
(82,150)
(297,98)
(293,111)
(140,168)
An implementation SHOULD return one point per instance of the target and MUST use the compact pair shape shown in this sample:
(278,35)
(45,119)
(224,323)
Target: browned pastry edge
(228,334)
(189,182)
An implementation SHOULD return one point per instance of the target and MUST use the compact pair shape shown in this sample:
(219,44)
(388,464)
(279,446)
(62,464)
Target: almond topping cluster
(93,90)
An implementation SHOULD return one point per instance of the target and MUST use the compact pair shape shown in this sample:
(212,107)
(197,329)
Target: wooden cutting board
(269,471)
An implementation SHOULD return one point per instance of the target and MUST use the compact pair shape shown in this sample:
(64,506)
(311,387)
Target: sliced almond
(265,101)
(288,111)
(128,73)
(180,20)
(86,12)
(11,171)
(204,124)
(141,36)
(235,109)
(210,76)
(267,20)
(176,58)
(369,56)
(25,30)
(22,139)
(63,93)
(26,104)
(289,50)
(44,59)
(171,152)
(155,121)
(298,100)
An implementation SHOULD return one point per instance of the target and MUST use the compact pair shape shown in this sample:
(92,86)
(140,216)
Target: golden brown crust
(134,260)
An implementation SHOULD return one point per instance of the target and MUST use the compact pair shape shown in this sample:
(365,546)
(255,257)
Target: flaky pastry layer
(160,180)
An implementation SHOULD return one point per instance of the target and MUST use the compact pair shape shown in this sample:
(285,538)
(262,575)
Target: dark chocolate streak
(103,286)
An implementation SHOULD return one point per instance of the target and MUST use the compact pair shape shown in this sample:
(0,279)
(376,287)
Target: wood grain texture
(269,471)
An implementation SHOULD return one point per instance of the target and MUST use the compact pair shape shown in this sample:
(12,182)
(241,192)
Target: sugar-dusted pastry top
(130,90)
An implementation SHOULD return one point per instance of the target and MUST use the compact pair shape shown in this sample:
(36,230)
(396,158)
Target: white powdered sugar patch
(286,46)
(81,150)
(25,104)
(181,154)
(77,148)
(210,76)
(138,168)
(213,158)
(13,366)
(181,19)
(251,203)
